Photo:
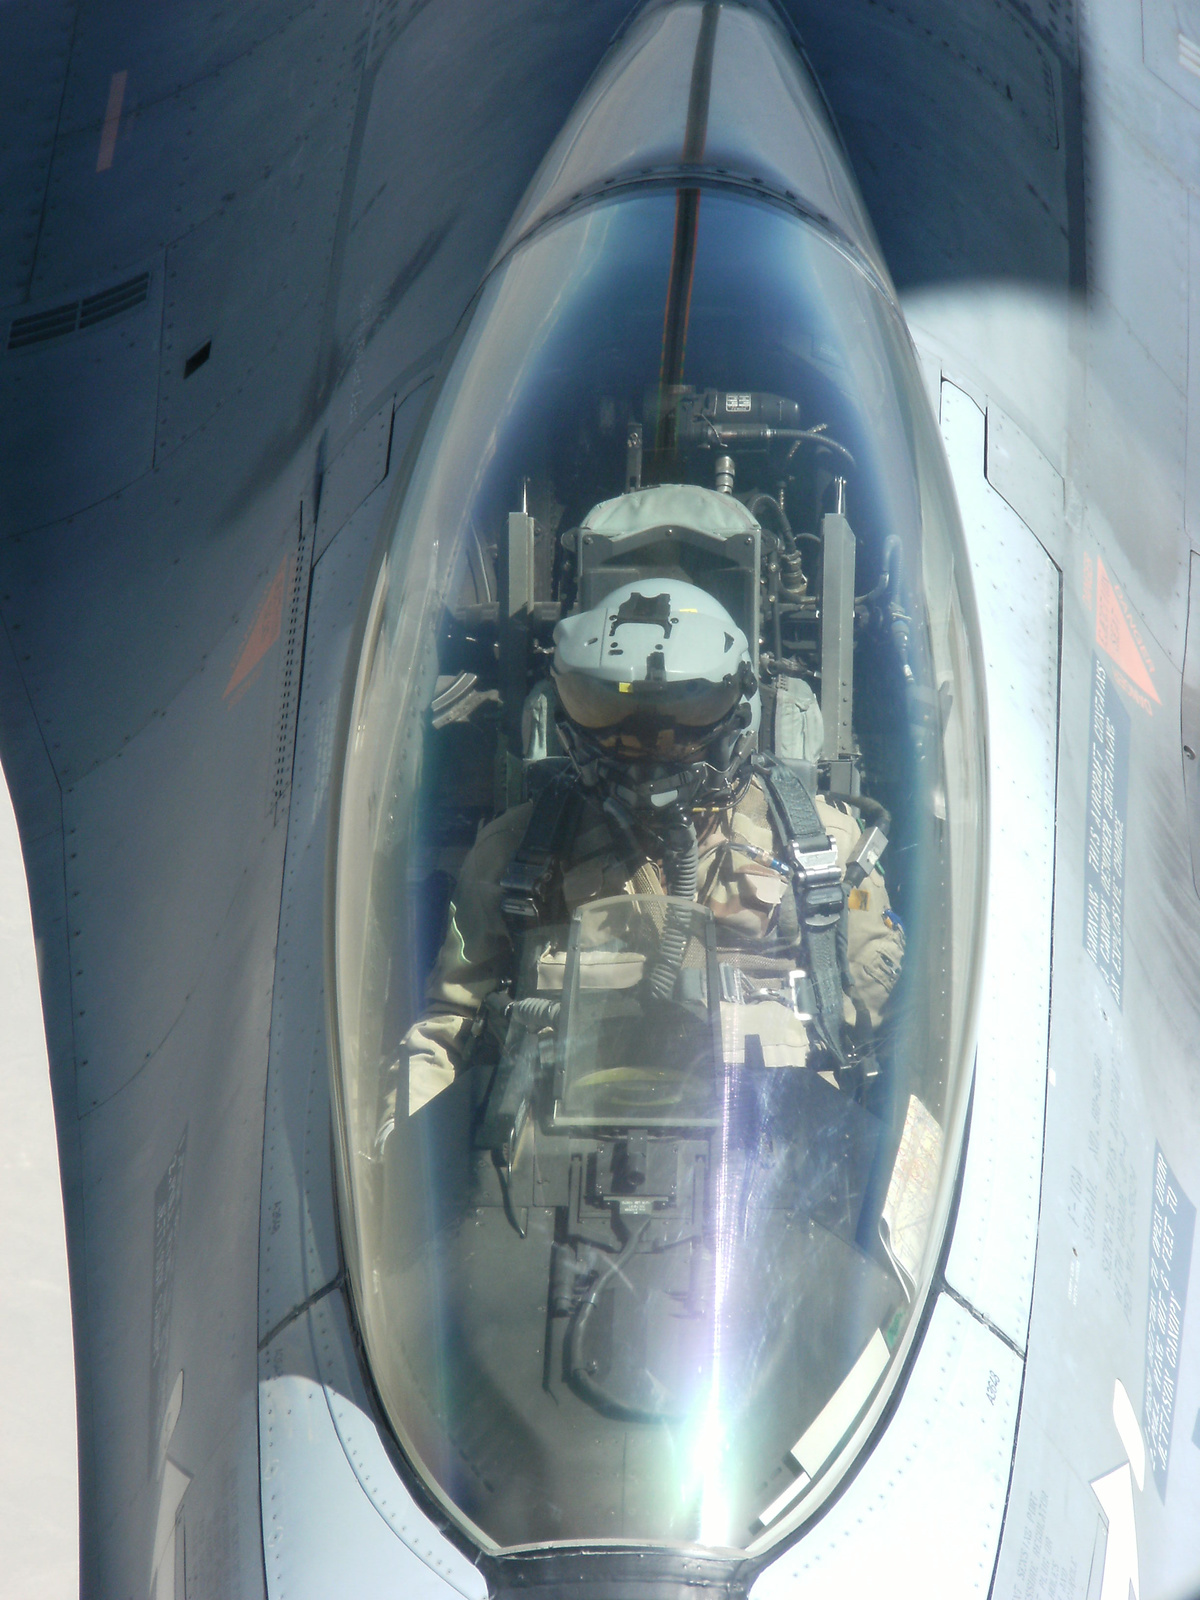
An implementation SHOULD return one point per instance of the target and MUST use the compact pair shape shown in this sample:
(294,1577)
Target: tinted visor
(650,719)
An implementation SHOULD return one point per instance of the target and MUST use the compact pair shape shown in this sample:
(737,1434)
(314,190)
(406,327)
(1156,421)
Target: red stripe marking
(264,630)
(112,121)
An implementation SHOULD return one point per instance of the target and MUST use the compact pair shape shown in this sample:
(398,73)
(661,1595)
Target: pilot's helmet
(657,692)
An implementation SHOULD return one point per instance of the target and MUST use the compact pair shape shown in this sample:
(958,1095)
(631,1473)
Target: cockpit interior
(634,1258)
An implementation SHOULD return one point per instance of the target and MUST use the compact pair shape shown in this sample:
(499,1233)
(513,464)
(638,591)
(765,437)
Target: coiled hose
(536,1013)
(681,868)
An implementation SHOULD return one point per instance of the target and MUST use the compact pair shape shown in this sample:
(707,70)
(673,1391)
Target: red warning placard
(264,631)
(1118,636)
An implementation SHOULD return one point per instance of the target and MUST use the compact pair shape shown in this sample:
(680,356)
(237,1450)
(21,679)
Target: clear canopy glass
(638,1229)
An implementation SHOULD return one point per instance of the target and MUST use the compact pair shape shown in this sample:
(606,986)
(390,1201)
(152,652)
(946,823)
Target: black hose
(681,868)
(781,520)
(536,1013)
(871,809)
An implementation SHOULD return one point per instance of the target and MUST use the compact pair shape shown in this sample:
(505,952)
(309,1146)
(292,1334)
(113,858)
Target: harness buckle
(524,892)
(816,869)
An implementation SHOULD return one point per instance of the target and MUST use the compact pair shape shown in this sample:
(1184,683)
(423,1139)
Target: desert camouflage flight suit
(742,892)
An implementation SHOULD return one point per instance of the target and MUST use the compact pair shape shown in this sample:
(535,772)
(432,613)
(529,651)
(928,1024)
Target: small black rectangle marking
(197,358)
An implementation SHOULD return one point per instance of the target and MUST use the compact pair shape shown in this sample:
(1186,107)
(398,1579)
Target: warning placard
(1172,1223)
(1104,867)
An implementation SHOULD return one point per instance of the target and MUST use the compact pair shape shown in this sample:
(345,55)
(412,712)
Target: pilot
(665,794)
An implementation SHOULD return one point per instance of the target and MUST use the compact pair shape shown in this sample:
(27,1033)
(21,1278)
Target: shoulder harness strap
(529,885)
(817,884)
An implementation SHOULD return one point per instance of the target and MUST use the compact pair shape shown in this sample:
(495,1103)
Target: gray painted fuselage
(297,203)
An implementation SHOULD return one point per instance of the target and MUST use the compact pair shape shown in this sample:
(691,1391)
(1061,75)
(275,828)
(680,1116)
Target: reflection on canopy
(646,1155)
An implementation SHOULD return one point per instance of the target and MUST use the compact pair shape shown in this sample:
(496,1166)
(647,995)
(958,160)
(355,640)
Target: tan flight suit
(742,893)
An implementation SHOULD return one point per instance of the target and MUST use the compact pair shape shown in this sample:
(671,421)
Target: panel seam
(1004,1338)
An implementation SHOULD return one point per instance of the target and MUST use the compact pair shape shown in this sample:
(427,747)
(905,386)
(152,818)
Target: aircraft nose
(715,91)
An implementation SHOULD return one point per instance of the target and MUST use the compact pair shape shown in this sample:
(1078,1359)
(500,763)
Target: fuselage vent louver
(59,321)
(42,326)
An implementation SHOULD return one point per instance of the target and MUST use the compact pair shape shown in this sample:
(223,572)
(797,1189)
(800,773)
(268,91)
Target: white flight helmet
(657,692)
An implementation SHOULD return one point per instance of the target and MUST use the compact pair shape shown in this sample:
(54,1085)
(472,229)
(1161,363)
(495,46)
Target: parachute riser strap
(817,884)
(530,886)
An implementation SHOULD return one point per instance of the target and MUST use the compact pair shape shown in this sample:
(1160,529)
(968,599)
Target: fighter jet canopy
(644,1176)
